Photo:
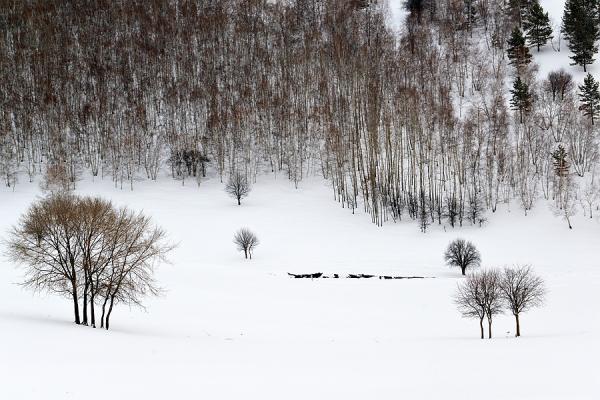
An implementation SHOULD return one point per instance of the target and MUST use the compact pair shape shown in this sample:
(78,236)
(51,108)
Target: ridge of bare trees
(411,126)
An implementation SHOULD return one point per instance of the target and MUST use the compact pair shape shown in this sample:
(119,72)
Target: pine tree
(521,98)
(517,51)
(537,26)
(561,165)
(581,28)
(589,95)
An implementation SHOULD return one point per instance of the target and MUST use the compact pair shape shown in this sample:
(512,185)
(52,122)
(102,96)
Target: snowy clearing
(230,328)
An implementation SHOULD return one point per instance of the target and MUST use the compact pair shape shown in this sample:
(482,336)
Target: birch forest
(441,123)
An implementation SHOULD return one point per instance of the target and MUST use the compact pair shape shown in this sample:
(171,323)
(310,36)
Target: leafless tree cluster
(488,293)
(246,241)
(90,251)
(413,126)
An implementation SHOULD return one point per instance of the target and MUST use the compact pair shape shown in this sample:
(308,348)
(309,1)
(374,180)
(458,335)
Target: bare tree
(590,196)
(246,241)
(137,249)
(238,187)
(521,290)
(463,254)
(45,241)
(492,295)
(470,299)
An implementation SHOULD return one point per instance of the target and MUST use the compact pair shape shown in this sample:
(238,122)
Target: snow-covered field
(228,328)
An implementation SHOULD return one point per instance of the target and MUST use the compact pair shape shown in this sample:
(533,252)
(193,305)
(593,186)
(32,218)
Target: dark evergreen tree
(561,165)
(581,28)
(589,95)
(521,98)
(415,8)
(537,26)
(517,51)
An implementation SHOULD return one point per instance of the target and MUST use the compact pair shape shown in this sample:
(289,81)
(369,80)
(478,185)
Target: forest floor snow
(229,328)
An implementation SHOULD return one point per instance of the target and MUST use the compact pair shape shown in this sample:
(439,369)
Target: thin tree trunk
(110,308)
(85,302)
(76,307)
(103,312)
(481,327)
(489,328)
(518,326)
(92,308)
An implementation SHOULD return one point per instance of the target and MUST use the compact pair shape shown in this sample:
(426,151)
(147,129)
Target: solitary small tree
(238,187)
(470,299)
(559,83)
(589,95)
(521,290)
(463,254)
(521,98)
(246,241)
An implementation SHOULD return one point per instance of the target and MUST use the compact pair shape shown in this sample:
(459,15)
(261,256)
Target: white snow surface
(229,328)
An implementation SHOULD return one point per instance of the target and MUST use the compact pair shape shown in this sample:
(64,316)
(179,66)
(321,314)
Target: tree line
(419,125)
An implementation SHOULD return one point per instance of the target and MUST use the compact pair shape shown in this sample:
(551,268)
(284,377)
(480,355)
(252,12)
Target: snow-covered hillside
(550,58)
(228,328)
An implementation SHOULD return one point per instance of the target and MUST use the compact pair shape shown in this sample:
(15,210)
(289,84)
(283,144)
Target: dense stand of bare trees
(90,251)
(413,126)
